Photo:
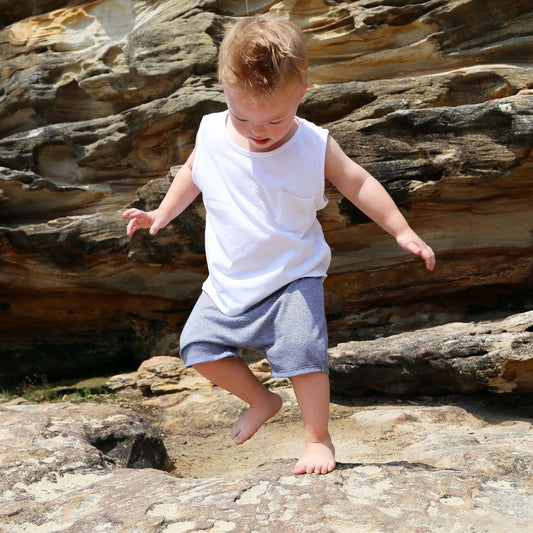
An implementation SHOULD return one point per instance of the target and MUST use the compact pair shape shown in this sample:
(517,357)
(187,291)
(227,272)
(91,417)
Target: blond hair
(262,54)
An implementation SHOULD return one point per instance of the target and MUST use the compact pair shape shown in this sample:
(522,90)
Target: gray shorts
(288,327)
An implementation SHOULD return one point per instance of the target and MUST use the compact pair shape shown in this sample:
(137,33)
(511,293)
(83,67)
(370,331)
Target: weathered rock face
(98,99)
(74,438)
(402,468)
(454,358)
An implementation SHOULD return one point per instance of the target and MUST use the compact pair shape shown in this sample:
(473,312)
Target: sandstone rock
(98,100)
(50,441)
(167,375)
(460,358)
(160,375)
(401,468)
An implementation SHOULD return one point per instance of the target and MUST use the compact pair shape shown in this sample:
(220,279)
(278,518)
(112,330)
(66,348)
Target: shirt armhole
(197,154)
(324,136)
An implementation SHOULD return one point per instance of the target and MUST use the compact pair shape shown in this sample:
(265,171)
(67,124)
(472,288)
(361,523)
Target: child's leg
(233,375)
(312,392)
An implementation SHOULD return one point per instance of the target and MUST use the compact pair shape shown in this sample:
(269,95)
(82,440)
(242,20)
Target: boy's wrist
(160,216)
(397,226)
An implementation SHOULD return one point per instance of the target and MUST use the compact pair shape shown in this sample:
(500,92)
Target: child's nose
(257,129)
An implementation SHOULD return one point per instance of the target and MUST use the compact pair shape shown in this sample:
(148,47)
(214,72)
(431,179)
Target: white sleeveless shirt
(261,227)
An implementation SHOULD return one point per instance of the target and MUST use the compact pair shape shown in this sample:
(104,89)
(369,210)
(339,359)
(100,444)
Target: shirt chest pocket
(294,213)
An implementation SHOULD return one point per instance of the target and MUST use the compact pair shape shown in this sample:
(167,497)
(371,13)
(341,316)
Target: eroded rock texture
(402,468)
(98,100)
(453,358)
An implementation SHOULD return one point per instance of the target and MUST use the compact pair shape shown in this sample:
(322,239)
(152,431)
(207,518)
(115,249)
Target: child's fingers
(429,257)
(133,226)
(140,220)
(154,228)
(424,251)
(132,213)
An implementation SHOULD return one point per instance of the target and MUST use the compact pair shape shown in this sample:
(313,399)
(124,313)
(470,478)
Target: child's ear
(304,90)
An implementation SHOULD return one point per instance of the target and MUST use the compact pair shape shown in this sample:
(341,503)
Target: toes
(328,468)
(313,468)
(299,469)
(235,434)
(239,439)
(308,468)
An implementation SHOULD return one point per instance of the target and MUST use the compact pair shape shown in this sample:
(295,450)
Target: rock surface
(98,100)
(492,356)
(39,441)
(415,466)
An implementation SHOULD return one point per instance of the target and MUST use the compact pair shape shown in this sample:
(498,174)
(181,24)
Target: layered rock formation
(455,358)
(98,100)
(402,468)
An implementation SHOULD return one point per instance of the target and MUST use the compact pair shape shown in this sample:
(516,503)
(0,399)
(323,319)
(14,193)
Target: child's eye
(274,123)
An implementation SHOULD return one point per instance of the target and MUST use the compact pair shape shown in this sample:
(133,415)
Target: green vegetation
(36,391)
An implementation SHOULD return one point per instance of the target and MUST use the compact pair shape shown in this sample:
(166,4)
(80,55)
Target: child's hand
(142,220)
(411,242)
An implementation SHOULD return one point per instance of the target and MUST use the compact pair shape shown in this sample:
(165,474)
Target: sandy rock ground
(446,432)
(425,465)
(195,419)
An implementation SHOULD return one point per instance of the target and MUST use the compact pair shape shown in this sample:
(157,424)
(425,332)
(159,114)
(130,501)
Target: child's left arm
(364,191)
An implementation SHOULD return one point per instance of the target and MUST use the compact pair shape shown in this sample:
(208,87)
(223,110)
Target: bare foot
(255,417)
(319,458)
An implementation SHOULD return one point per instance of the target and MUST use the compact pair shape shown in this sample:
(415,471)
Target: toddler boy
(261,171)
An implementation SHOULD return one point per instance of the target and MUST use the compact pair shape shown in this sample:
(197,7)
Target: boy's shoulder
(311,125)
(213,122)
(311,129)
(217,116)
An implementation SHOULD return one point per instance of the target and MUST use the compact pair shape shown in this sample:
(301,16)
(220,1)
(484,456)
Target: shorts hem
(300,371)
(197,360)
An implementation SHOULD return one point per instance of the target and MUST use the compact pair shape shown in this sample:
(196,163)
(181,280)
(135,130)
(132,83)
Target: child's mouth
(259,142)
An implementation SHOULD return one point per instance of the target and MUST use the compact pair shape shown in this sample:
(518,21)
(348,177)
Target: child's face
(259,125)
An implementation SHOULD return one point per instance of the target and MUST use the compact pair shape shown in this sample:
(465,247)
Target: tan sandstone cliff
(98,100)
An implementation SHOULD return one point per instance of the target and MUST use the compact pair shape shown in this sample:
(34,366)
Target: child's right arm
(180,194)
